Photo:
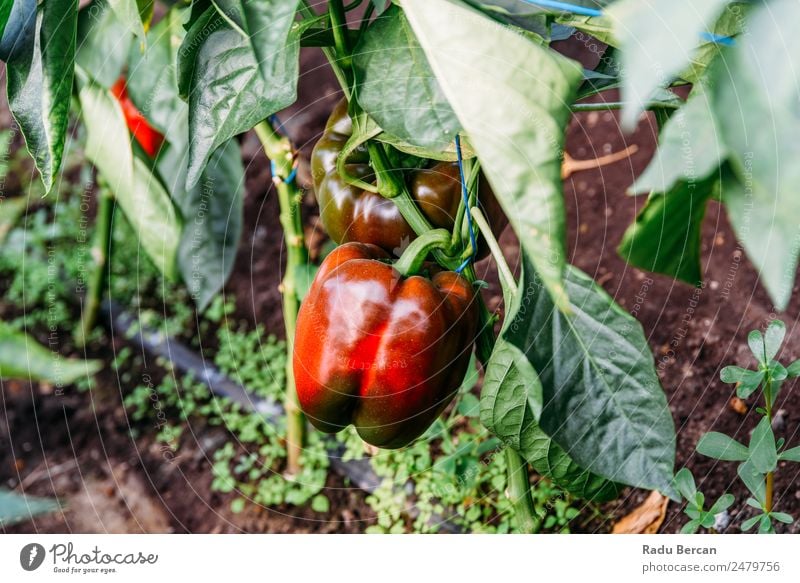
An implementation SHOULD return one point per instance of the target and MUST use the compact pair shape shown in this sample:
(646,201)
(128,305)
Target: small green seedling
(695,500)
(759,459)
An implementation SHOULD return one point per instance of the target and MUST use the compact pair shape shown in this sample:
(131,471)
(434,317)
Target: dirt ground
(77,446)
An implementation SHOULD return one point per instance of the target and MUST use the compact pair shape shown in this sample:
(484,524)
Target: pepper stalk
(279,150)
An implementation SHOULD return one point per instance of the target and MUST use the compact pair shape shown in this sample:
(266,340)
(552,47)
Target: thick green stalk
(97,277)
(279,150)
(518,482)
(340,32)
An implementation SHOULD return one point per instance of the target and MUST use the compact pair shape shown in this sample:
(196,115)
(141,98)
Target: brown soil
(77,446)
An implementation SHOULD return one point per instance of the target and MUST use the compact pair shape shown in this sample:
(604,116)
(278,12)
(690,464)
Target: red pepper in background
(384,352)
(149,138)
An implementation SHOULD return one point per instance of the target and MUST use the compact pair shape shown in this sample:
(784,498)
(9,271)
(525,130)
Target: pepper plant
(570,388)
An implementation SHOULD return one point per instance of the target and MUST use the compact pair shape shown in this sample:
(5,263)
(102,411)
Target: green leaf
(127,12)
(753,480)
(486,72)
(320,503)
(11,209)
(548,459)
(763,454)
(729,24)
(793,370)
(756,105)
(748,381)
(138,191)
(40,84)
(152,80)
(397,87)
(690,527)
(790,455)
(213,215)
(657,40)
(227,93)
(665,238)
(685,485)
(103,43)
(720,446)
(755,340)
(265,25)
(765,525)
(21,357)
(773,338)
(751,522)
(511,397)
(777,372)
(603,402)
(782,517)
(16,507)
(723,503)
(689,150)
(5,12)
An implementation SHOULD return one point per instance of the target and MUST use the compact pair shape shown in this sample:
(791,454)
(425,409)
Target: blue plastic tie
(718,38)
(273,169)
(465,198)
(567,7)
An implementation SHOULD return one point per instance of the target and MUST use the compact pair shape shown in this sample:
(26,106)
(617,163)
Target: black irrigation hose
(187,361)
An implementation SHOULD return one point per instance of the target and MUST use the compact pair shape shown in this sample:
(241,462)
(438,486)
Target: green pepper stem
(503,270)
(279,150)
(97,278)
(414,256)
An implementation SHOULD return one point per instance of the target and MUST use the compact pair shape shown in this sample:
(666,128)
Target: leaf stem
(340,32)
(279,150)
(519,488)
(100,252)
(503,270)
(307,12)
(612,105)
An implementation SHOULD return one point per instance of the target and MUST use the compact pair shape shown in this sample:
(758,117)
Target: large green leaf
(129,14)
(756,104)
(549,459)
(658,40)
(397,86)
(103,43)
(40,83)
(690,147)
(729,24)
(212,212)
(227,93)
(265,25)
(486,72)
(511,401)
(138,191)
(665,238)
(153,79)
(603,403)
(5,12)
(21,357)
(16,507)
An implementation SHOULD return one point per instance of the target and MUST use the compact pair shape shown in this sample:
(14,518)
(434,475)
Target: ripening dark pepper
(349,213)
(149,138)
(384,352)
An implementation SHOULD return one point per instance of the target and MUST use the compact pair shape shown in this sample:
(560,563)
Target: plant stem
(503,270)
(610,105)
(340,32)
(770,481)
(100,253)
(279,150)
(519,492)
(308,12)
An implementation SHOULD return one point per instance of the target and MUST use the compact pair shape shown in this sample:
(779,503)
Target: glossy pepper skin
(149,138)
(384,352)
(352,214)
